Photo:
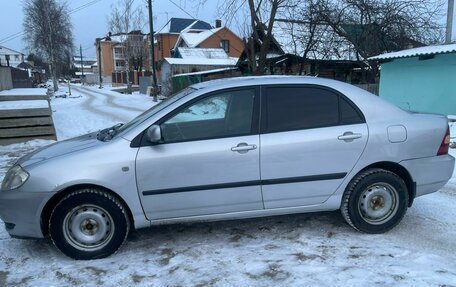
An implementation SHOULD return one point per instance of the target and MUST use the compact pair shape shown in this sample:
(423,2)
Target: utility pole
(449,28)
(100,79)
(152,52)
(82,65)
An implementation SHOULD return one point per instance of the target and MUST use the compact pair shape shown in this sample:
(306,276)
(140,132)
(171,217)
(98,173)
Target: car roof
(372,106)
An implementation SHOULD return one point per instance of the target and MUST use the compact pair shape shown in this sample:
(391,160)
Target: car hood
(60,148)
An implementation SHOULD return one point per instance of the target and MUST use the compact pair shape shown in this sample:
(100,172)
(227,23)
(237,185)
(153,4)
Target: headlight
(14,178)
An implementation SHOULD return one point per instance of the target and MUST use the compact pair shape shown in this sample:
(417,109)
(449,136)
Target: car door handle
(349,136)
(243,147)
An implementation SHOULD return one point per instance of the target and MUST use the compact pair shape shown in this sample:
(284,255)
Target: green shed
(420,79)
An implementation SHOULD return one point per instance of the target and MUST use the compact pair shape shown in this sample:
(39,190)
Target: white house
(10,57)
(88,64)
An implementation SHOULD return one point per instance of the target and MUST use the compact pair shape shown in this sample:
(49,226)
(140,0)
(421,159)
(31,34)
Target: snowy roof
(84,59)
(207,53)
(193,38)
(428,50)
(177,25)
(205,72)
(85,73)
(123,37)
(202,61)
(118,38)
(77,65)
(8,51)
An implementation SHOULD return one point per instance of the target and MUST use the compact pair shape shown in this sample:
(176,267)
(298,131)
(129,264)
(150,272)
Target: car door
(311,137)
(208,162)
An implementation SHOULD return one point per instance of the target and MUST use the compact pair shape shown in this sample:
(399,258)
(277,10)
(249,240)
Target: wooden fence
(20,122)
(373,88)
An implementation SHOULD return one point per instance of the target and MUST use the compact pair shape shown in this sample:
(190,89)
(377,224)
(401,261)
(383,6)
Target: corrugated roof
(202,61)
(206,72)
(415,52)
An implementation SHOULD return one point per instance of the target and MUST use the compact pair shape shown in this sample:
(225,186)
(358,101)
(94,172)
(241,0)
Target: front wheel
(89,224)
(375,201)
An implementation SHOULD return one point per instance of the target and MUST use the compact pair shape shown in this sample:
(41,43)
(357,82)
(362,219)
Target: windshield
(117,129)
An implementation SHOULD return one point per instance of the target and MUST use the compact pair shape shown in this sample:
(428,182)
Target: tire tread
(351,188)
(100,193)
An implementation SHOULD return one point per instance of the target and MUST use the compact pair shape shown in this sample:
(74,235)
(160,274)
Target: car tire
(89,224)
(375,201)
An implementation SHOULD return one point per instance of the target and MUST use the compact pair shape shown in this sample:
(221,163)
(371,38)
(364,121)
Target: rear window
(295,108)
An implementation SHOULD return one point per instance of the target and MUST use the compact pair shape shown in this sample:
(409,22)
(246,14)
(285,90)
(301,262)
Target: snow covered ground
(298,250)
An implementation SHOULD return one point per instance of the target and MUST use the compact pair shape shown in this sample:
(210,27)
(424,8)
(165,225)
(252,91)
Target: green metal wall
(421,85)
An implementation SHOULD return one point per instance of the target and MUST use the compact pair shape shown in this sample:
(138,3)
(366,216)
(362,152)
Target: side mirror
(153,134)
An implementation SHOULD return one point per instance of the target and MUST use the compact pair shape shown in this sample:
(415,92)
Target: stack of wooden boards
(25,114)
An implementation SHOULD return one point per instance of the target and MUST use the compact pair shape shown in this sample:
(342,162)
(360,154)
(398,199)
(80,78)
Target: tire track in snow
(109,99)
(92,99)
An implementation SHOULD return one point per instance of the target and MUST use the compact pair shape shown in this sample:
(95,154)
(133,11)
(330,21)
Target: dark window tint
(348,114)
(221,115)
(293,108)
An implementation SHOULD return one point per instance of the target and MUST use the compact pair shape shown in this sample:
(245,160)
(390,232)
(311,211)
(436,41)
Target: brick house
(181,32)
(178,32)
(166,37)
(113,52)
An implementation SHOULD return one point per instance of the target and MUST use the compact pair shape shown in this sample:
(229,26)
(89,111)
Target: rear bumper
(21,212)
(430,173)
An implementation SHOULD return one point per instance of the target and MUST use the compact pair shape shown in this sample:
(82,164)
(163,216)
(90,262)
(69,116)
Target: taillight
(443,149)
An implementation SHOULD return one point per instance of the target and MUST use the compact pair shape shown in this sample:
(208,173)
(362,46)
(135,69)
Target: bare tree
(378,26)
(126,22)
(262,14)
(48,32)
(304,33)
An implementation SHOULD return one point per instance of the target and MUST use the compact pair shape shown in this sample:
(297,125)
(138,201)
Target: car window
(207,109)
(294,108)
(348,114)
(156,108)
(224,114)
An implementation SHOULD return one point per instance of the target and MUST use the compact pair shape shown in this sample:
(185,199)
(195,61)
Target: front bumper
(21,212)
(430,173)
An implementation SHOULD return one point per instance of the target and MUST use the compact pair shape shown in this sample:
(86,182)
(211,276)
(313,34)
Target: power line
(88,47)
(77,9)
(182,9)
(82,7)
(10,37)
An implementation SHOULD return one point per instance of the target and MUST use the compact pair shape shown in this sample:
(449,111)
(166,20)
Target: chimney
(218,23)
(449,27)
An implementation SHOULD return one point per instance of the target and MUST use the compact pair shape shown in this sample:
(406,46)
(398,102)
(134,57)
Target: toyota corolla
(229,149)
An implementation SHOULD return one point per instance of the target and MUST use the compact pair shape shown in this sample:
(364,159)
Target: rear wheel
(375,201)
(89,224)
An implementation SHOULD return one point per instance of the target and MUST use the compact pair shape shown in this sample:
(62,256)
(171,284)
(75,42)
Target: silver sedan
(229,149)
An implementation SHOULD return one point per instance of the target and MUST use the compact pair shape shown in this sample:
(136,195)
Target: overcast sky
(91,22)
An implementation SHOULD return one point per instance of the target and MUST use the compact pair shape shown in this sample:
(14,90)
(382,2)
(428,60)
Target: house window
(158,45)
(225,45)
(120,64)
(16,57)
